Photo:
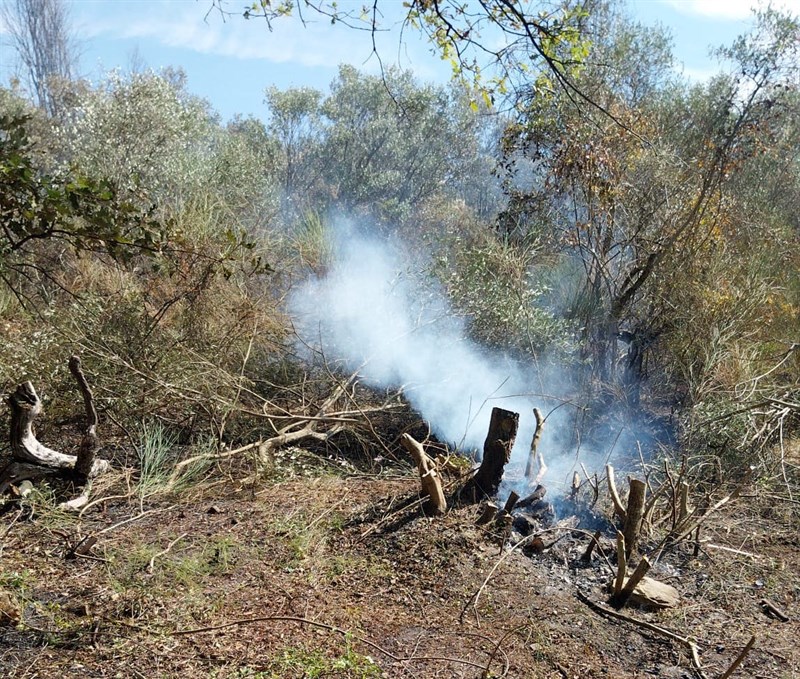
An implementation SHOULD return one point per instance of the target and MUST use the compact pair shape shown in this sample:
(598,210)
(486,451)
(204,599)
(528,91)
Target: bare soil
(326,575)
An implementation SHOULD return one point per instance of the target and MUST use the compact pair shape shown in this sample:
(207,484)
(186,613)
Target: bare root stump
(34,461)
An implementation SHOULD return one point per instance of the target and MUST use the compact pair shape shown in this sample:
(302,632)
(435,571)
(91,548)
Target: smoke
(372,311)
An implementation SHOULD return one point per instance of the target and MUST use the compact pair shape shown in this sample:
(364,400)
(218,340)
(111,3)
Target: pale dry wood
(692,522)
(25,447)
(683,509)
(84,462)
(619,509)
(621,598)
(488,512)
(164,552)
(428,476)
(535,455)
(622,564)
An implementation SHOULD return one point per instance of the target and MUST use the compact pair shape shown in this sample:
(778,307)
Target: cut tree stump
(496,455)
(428,476)
(633,516)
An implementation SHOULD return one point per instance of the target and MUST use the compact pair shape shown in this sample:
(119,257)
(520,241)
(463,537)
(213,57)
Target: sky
(231,61)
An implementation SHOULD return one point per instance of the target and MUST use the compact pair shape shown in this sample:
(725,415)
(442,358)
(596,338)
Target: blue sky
(230,61)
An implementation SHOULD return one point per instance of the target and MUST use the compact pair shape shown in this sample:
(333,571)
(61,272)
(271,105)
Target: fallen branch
(694,649)
(739,659)
(164,552)
(770,607)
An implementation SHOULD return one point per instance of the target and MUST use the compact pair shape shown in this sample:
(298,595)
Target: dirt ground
(325,574)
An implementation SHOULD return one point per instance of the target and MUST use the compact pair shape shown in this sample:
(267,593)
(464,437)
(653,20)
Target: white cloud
(185,26)
(729,9)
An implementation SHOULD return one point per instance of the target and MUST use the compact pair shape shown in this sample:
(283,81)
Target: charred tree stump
(496,455)
(429,478)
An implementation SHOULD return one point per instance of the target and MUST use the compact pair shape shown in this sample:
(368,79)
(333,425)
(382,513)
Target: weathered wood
(429,477)
(25,406)
(89,445)
(772,609)
(535,454)
(612,491)
(622,564)
(633,515)
(488,513)
(496,455)
(621,597)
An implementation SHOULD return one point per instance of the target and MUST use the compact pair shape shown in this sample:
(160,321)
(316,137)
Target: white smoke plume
(369,311)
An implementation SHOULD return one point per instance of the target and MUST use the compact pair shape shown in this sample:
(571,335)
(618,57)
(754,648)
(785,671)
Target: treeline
(636,226)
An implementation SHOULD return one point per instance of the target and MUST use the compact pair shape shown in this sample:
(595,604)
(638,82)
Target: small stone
(10,610)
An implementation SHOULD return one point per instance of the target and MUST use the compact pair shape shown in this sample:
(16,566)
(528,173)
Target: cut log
(429,478)
(496,455)
(488,513)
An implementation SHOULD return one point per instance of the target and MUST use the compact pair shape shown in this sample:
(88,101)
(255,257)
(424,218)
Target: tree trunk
(496,454)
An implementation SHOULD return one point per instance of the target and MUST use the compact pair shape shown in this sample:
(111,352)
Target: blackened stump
(496,455)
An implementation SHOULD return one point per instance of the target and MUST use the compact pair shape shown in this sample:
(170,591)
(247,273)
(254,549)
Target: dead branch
(429,477)
(587,555)
(693,521)
(89,444)
(164,552)
(535,454)
(770,607)
(25,447)
(612,491)
(608,612)
(622,564)
(739,659)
